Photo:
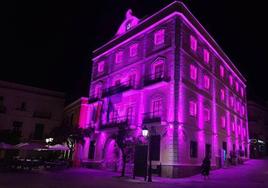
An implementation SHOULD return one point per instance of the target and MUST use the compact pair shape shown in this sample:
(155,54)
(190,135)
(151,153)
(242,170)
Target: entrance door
(91,149)
(140,161)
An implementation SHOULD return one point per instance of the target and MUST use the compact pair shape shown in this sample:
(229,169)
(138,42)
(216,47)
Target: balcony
(117,89)
(155,78)
(116,122)
(151,117)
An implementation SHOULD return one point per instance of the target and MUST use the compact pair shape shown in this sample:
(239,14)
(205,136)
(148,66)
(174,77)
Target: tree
(125,142)
(71,135)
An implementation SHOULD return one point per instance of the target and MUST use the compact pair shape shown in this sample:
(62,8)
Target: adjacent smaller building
(258,128)
(29,111)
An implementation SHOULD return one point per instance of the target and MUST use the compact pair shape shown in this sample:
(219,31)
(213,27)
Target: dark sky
(49,43)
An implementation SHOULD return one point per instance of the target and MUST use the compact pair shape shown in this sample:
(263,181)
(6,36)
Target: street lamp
(146,134)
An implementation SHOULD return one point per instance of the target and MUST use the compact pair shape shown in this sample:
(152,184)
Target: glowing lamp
(145,132)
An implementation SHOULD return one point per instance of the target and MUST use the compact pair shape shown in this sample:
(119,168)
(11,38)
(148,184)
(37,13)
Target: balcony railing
(151,117)
(117,89)
(155,78)
(116,122)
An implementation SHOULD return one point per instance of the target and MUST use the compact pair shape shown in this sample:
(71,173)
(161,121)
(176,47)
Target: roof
(175,7)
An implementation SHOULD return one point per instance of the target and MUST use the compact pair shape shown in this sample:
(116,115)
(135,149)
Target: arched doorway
(112,156)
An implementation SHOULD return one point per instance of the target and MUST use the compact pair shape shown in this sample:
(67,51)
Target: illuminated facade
(166,73)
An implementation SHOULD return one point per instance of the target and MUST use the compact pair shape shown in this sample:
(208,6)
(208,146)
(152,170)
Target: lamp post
(146,134)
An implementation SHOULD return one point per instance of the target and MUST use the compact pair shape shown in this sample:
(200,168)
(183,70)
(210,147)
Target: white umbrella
(5,146)
(58,147)
(29,146)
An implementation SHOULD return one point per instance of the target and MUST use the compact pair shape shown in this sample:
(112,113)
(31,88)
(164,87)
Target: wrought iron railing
(151,117)
(116,122)
(155,78)
(124,86)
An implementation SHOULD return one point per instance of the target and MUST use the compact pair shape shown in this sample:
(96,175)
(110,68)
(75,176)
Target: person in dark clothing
(205,168)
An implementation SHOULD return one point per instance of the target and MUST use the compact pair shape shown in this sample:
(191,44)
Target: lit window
(158,69)
(222,94)
(236,86)
(242,110)
(233,126)
(231,101)
(237,106)
(159,37)
(206,56)
(242,92)
(128,26)
(206,114)
(132,79)
(221,71)
(193,108)
(193,72)
(157,107)
(231,81)
(98,90)
(117,82)
(118,57)
(133,50)
(223,122)
(101,66)
(206,82)
(193,42)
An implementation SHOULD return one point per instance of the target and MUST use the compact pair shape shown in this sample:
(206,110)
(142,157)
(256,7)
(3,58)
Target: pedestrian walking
(205,168)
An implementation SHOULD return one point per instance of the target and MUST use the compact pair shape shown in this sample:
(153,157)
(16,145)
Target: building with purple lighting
(166,73)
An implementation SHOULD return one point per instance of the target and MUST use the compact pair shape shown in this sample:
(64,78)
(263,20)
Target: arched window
(158,69)
(98,90)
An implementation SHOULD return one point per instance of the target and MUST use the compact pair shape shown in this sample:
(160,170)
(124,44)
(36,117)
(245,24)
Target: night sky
(49,44)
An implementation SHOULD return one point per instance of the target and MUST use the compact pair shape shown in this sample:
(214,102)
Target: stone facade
(167,74)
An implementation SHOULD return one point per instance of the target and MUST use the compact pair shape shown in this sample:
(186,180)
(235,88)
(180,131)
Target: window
(101,66)
(208,151)
(193,149)
(91,149)
(221,71)
(223,121)
(233,126)
(133,50)
(193,72)
(39,131)
(129,114)
(242,110)
(237,106)
(117,82)
(159,37)
(206,114)
(193,108)
(17,127)
(98,90)
(128,26)
(236,86)
(158,69)
(157,108)
(242,92)
(119,57)
(231,81)
(231,101)
(222,93)
(132,79)
(206,82)
(206,56)
(193,43)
